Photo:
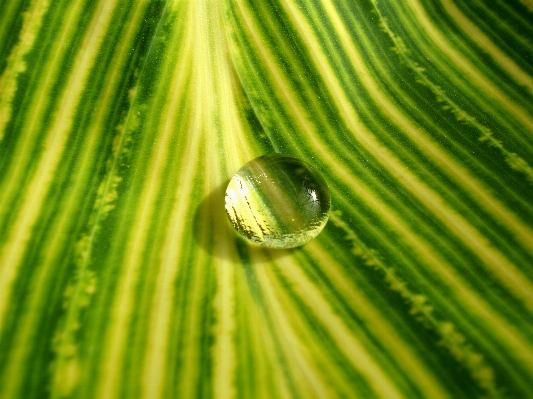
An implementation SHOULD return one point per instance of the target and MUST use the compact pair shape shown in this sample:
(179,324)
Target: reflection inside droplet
(278,201)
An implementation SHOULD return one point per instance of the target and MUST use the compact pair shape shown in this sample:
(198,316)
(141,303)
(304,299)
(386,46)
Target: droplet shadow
(211,226)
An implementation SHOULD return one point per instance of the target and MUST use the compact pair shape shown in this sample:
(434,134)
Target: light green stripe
(122,276)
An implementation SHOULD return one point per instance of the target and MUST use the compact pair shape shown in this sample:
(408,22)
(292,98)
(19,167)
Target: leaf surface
(121,124)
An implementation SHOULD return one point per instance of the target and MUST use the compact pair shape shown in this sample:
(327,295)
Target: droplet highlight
(278,201)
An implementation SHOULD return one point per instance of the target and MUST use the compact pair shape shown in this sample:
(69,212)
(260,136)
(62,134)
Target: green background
(121,123)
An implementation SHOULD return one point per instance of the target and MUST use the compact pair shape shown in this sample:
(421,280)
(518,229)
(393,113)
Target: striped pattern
(120,126)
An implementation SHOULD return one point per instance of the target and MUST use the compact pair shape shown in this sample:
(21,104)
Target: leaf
(121,124)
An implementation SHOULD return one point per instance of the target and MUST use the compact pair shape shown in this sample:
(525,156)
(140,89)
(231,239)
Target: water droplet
(278,201)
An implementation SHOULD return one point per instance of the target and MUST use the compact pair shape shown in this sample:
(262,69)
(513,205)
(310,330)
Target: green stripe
(121,125)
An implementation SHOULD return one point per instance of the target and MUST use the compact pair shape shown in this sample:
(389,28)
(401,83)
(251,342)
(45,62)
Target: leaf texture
(121,123)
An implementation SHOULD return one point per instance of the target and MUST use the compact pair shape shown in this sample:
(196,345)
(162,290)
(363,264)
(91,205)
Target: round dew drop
(278,201)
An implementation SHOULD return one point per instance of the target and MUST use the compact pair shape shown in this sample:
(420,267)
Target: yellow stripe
(507,333)
(160,318)
(38,103)
(512,159)
(354,350)
(468,69)
(528,4)
(32,21)
(459,347)
(162,305)
(509,274)
(14,374)
(38,187)
(299,115)
(297,351)
(64,369)
(344,174)
(205,77)
(487,45)
(124,301)
(397,347)
(223,351)
(522,231)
